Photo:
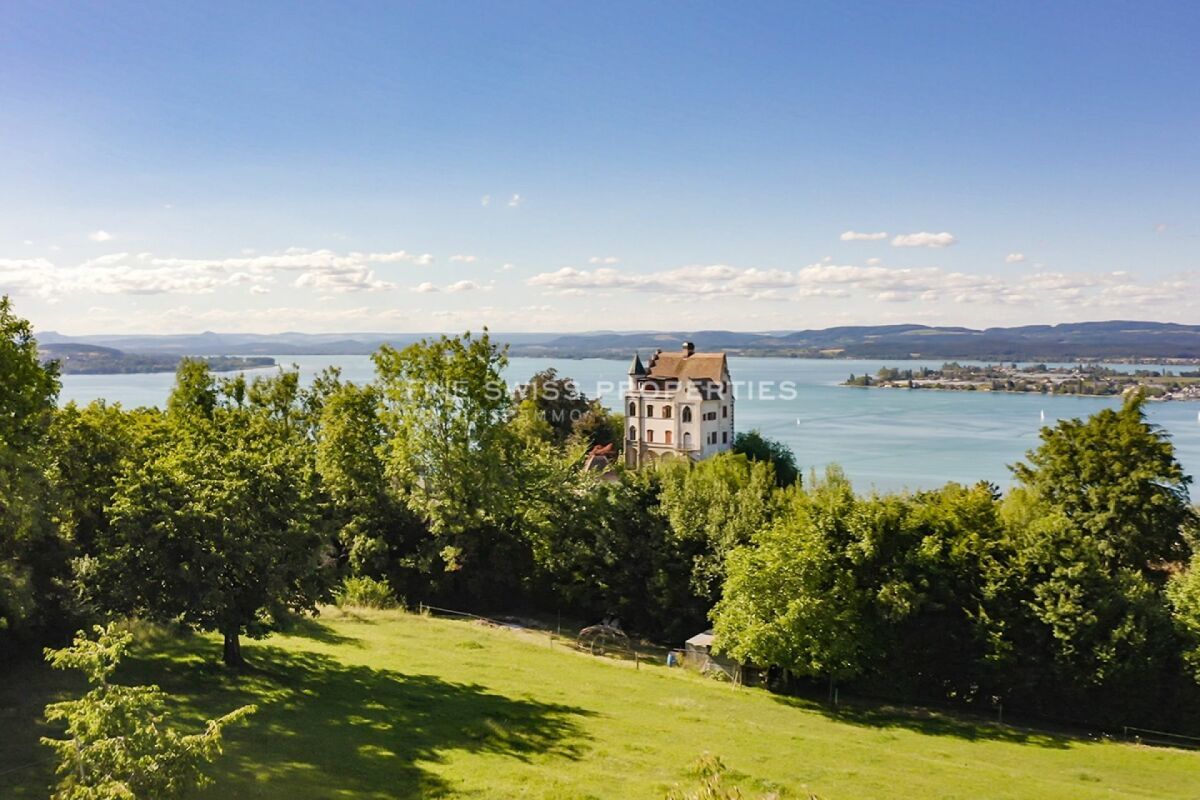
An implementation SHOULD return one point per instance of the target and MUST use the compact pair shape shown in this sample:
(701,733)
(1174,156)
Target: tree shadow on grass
(325,728)
(312,628)
(929,723)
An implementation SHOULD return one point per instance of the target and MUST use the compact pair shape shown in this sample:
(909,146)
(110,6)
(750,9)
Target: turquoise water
(884,438)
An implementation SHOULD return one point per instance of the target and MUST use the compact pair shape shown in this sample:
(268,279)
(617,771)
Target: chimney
(688,349)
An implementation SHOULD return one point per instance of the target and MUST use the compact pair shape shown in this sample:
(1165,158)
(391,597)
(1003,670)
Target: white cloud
(100,236)
(259,289)
(1014,258)
(392,258)
(425,287)
(514,201)
(855,236)
(506,267)
(324,271)
(28,242)
(604,260)
(874,262)
(463,259)
(464,286)
(924,239)
(1062,291)
(486,200)
(340,281)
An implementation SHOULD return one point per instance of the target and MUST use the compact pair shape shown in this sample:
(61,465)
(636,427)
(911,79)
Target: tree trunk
(233,650)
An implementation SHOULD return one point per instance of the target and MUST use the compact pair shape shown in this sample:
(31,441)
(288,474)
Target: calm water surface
(884,438)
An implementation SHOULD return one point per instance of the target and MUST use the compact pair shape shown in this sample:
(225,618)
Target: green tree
(792,598)
(598,427)
(222,512)
(32,563)
(556,399)
(445,407)
(118,745)
(1183,590)
(612,553)
(377,535)
(757,447)
(716,504)
(1093,528)
(1114,478)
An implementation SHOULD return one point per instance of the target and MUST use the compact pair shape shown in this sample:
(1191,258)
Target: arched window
(666,412)
(649,411)
(687,438)
(633,409)
(632,432)
(667,437)
(687,414)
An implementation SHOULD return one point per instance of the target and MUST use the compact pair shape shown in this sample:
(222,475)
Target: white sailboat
(1043,415)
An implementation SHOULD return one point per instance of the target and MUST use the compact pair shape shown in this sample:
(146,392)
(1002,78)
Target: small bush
(364,592)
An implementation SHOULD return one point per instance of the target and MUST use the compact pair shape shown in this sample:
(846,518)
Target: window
(687,414)
(633,409)
(632,432)
(687,439)
(667,437)
(724,437)
(650,435)
(649,411)
(713,439)
(666,412)
(724,411)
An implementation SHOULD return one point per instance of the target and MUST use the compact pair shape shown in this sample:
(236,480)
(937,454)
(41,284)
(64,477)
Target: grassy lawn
(387,704)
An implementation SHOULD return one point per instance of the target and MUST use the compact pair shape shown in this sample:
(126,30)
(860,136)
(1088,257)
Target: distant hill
(90,359)
(1116,340)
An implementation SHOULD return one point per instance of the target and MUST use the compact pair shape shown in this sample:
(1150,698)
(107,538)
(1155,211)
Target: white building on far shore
(678,404)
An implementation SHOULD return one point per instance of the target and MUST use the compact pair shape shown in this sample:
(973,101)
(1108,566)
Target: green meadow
(396,705)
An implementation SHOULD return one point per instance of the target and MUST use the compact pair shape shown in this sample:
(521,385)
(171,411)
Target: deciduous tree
(118,745)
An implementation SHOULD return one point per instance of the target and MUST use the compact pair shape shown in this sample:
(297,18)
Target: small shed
(700,644)
(698,655)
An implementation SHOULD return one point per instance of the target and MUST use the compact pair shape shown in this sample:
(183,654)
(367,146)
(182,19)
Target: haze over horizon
(540,168)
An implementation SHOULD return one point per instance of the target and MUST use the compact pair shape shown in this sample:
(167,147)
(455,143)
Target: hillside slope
(386,704)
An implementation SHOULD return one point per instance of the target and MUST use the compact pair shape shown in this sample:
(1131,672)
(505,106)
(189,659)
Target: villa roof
(696,367)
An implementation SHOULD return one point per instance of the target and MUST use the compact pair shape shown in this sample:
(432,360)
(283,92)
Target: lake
(884,438)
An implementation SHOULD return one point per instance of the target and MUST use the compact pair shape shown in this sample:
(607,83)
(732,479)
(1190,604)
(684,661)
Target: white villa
(679,404)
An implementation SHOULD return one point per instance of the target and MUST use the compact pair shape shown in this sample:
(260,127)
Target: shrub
(364,592)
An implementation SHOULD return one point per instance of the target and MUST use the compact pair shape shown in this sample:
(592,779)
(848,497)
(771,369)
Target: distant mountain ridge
(1108,340)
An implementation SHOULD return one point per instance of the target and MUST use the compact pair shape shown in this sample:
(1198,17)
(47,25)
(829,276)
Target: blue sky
(552,166)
